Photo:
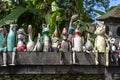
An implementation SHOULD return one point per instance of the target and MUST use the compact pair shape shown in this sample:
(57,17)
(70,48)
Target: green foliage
(13,16)
(99,12)
(37,12)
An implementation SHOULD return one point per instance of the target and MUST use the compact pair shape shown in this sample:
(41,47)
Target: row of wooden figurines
(71,41)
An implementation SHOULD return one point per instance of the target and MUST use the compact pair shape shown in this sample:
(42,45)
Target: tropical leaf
(83,28)
(54,6)
(48,18)
(13,16)
(99,12)
(79,6)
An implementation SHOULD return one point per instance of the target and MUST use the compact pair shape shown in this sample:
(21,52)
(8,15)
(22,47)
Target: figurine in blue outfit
(11,39)
(71,29)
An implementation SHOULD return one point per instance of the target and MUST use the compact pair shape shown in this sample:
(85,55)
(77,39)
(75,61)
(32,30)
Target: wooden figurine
(1,40)
(30,44)
(88,45)
(11,38)
(21,45)
(77,43)
(46,40)
(118,52)
(101,46)
(2,46)
(113,51)
(71,29)
(65,44)
(56,37)
(38,46)
(118,48)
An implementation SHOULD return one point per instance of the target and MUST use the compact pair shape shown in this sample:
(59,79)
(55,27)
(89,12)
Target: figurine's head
(100,30)
(30,28)
(46,28)
(1,30)
(64,33)
(21,33)
(39,37)
(57,18)
(55,34)
(13,27)
(112,40)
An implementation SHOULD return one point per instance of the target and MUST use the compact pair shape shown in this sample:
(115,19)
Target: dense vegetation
(37,12)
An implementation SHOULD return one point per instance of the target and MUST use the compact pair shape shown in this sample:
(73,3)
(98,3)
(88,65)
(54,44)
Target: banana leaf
(54,6)
(99,12)
(13,16)
(79,6)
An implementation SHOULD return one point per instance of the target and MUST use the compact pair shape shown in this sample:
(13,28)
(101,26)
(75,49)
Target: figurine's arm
(107,52)
(95,51)
(72,19)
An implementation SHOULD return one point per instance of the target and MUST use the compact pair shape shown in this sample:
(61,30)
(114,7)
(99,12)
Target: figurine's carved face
(21,36)
(46,28)
(100,30)
(13,27)
(30,28)
(1,30)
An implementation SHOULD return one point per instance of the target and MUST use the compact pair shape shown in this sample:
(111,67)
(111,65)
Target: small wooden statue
(21,45)
(46,40)
(88,45)
(101,46)
(65,44)
(71,29)
(118,48)
(38,46)
(11,38)
(1,40)
(30,44)
(77,43)
(113,51)
(56,37)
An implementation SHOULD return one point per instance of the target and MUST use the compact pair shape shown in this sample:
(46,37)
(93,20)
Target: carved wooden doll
(21,45)
(88,45)
(46,40)
(30,44)
(113,51)
(65,44)
(118,48)
(56,37)
(38,46)
(77,43)
(71,29)
(11,38)
(1,40)
(101,46)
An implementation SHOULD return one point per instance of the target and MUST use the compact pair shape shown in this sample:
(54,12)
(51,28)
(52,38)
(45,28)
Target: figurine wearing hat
(77,43)
(21,46)
(65,44)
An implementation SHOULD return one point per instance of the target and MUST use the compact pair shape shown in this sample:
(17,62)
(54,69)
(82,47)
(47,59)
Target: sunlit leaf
(54,6)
